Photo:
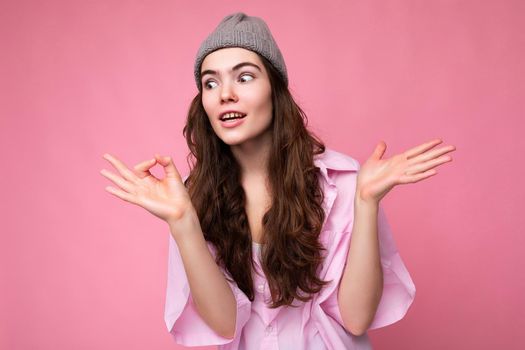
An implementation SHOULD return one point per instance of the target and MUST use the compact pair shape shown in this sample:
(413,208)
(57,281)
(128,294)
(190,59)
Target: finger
(418,177)
(121,167)
(433,154)
(169,167)
(418,168)
(142,169)
(121,194)
(421,148)
(125,185)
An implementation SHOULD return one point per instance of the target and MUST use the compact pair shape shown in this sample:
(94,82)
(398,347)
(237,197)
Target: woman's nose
(228,93)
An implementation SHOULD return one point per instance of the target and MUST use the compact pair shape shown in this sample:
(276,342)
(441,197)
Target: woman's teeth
(232,116)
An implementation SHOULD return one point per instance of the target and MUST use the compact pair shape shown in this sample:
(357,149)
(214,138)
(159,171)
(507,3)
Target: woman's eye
(246,75)
(207,84)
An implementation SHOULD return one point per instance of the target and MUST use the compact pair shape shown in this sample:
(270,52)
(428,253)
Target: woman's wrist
(185,224)
(362,199)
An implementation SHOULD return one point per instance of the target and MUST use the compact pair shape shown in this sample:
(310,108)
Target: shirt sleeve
(181,317)
(398,288)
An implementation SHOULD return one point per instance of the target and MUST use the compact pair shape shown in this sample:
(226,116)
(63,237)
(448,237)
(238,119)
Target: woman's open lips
(232,122)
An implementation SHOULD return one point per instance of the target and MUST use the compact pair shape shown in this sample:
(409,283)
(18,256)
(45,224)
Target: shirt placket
(270,340)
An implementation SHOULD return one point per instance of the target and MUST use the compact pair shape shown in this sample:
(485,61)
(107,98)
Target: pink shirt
(316,324)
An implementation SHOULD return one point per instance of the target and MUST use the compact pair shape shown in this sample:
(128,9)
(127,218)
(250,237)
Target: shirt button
(269,329)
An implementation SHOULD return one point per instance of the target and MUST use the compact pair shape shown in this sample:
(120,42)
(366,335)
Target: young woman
(276,241)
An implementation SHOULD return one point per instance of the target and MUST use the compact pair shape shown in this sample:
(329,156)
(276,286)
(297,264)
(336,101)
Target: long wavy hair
(292,255)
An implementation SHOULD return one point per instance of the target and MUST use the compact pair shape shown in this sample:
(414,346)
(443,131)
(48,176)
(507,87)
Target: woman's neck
(253,156)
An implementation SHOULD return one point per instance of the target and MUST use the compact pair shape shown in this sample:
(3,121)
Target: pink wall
(81,269)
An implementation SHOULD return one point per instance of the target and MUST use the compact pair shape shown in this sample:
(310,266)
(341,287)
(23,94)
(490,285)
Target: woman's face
(235,79)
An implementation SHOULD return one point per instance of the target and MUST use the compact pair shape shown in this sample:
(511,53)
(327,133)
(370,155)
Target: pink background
(82,269)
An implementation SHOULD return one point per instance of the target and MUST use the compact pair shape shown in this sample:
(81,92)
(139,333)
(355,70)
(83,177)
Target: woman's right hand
(167,199)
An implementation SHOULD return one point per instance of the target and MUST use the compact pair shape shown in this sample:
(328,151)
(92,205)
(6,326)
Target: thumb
(169,167)
(379,151)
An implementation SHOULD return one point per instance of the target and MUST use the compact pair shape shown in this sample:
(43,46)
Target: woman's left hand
(378,176)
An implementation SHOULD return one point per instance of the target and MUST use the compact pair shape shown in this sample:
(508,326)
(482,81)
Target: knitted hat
(248,32)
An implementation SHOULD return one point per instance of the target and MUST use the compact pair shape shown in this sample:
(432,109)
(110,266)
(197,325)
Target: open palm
(378,176)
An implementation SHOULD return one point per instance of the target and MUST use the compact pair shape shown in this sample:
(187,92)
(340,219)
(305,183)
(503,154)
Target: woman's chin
(232,141)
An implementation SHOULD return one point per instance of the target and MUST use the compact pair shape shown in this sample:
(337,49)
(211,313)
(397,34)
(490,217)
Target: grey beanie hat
(241,30)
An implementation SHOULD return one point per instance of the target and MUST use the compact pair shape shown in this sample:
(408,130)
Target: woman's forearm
(362,282)
(211,293)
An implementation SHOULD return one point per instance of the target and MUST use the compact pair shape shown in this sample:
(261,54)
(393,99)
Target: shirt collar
(334,160)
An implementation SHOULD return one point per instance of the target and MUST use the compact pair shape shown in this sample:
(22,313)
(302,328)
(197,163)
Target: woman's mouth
(232,121)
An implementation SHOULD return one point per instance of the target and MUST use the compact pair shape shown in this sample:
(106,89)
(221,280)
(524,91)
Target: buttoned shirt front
(313,325)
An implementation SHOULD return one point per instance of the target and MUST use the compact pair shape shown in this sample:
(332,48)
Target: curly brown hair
(292,255)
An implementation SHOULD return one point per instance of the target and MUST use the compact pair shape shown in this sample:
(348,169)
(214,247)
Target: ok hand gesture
(378,176)
(167,199)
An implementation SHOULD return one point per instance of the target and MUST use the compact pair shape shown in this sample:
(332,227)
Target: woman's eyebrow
(236,67)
